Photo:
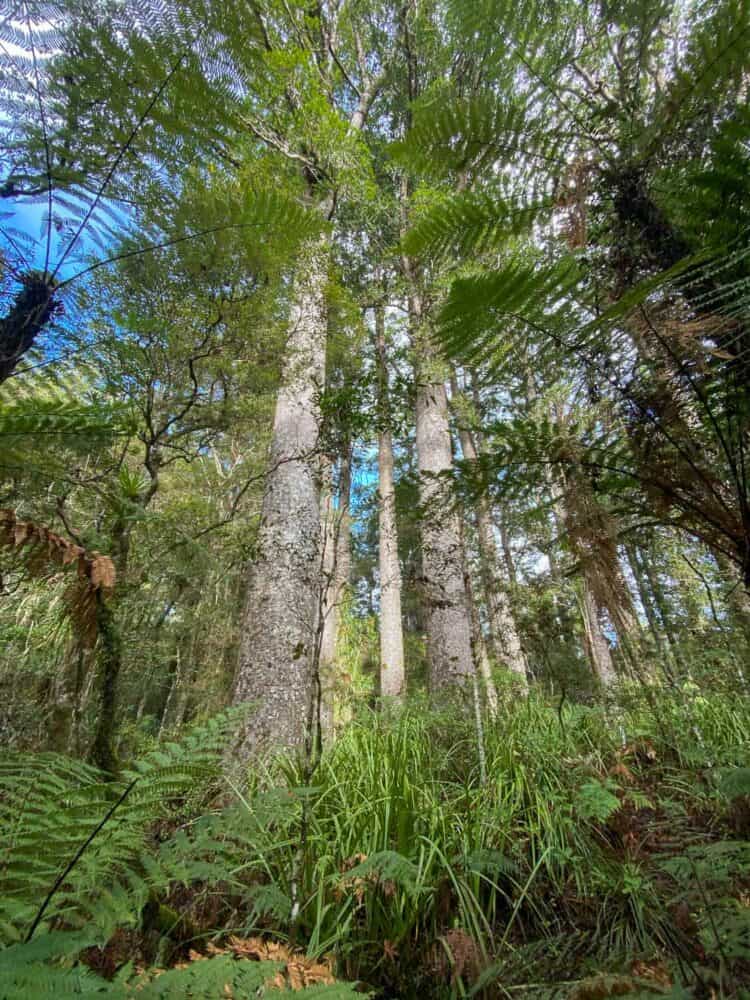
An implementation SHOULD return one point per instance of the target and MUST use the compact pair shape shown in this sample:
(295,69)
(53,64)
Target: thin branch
(118,159)
(45,139)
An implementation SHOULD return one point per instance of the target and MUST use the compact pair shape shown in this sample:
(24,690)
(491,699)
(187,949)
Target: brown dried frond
(575,189)
(45,552)
(456,956)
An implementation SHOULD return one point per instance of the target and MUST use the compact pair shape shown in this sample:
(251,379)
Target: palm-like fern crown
(107,110)
(598,119)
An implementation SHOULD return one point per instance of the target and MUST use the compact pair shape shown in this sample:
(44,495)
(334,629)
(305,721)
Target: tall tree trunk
(594,641)
(392,678)
(646,594)
(504,642)
(483,667)
(446,601)
(279,625)
(655,605)
(510,564)
(337,558)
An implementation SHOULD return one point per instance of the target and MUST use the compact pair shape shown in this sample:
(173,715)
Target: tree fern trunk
(110,660)
(279,622)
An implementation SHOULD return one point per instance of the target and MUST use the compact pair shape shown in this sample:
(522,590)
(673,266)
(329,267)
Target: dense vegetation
(374,508)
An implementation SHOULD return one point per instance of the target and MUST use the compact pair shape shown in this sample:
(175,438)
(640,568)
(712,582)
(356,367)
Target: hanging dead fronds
(45,553)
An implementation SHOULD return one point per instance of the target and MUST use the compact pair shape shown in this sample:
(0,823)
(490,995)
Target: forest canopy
(374,505)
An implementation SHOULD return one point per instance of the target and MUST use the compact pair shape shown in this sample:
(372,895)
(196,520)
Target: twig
(76,858)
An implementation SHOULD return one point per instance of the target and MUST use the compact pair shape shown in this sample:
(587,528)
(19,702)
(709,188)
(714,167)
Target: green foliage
(400,843)
(595,800)
(39,969)
(50,805)
(397,825)
(470,223)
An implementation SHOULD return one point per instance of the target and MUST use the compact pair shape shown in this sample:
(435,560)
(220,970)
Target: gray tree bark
(446,602)
(336,533)
(504,642)
(283,600)
(392,679)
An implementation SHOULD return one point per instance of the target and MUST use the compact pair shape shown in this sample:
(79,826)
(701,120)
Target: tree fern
(481,312)
(715,58)
(54,408)
(456,134)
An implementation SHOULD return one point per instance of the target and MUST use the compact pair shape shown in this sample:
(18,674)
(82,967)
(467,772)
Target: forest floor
(594,853)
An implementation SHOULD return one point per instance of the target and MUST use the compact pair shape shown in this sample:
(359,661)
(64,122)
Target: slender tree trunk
(392,678)
(176,682)
(510,564)
(446,601)
(336,534)
(482,664)
(504,642)
(646,594)
(279,626)
(655,606)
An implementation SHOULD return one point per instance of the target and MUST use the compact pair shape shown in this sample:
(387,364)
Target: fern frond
(471,223)
(479,310)
(716,58)
(48,807)
(459,134)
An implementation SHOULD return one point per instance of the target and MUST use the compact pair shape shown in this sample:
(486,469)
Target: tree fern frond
(48,807)
(479,309)
(471,223)
(717,56)
(478,133)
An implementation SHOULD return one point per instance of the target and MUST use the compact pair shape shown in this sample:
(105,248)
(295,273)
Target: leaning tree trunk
(392,677)
(447,607)
(33,309)
(283,601)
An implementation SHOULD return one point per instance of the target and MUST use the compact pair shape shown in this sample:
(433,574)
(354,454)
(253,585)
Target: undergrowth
(606,853)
